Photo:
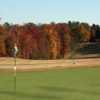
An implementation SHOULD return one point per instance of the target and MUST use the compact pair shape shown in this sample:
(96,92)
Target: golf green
(7,91)
(66,84)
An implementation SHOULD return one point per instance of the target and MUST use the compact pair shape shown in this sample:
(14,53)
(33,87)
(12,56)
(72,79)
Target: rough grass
(67,84)
(31,65)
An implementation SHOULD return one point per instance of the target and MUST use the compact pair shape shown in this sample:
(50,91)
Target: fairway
(66,84)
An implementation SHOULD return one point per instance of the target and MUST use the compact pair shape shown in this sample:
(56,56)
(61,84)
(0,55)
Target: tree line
(45,41)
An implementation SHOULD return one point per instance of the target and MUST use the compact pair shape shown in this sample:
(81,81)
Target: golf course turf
(66,84)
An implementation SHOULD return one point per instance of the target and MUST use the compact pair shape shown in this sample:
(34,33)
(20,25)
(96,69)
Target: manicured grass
(7,91)
(67,84)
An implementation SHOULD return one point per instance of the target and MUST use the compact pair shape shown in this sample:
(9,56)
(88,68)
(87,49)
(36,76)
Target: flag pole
(15,52)
(14,70)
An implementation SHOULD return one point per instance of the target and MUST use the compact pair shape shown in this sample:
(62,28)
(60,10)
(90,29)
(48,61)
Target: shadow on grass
(95,85)
(7,95)
(32,96)
(71,90)
(49,89)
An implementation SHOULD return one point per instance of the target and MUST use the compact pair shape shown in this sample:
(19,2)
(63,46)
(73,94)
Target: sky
(46,11)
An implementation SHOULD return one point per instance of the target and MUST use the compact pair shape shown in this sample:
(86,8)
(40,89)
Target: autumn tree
(81,33)
(2,47)
(64,35)
(45,41)
(28,41)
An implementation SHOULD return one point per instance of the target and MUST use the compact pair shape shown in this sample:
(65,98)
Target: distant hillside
(87,50)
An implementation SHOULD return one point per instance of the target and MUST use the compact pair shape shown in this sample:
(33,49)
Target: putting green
(67,84)
(7,91)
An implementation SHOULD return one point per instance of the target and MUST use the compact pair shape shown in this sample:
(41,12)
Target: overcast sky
(46,11)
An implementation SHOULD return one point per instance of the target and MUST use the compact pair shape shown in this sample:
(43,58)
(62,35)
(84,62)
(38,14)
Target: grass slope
(67,84)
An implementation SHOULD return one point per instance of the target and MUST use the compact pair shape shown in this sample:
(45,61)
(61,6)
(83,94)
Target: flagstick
(15,52)
(15,72)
